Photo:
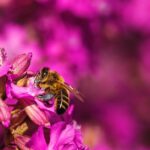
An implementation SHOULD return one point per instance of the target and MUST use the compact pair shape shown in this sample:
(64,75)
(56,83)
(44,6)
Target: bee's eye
(44,72)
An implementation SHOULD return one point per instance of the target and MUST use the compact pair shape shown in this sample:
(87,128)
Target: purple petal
(56,130)
(30,90)
(67,135)
(44,107)
(37,141)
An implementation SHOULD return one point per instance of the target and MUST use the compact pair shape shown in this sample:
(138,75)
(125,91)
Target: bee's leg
(45,97)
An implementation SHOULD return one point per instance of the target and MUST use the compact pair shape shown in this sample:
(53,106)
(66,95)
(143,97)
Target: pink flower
(21,100)
(21,64)
(32,110)
(17,68)
(66,137)
(35,143)
(62,136)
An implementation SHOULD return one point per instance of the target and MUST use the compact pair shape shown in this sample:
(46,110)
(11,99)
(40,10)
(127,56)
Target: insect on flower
(24,117)
(54,86)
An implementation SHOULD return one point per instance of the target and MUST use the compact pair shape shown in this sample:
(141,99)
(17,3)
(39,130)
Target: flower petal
(37,116)
(56,130)
(21,141)
(35,143)
(66,136)
(4,113)
(29,90)
(32,110)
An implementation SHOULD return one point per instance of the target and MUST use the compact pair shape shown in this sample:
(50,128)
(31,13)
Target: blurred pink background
(101,47)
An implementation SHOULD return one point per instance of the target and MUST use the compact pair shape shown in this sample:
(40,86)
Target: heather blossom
(26,118)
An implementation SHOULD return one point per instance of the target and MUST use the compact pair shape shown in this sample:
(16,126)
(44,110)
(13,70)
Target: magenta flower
(21,64)
(62,136)
(35,143)
(27,117)
(66,137)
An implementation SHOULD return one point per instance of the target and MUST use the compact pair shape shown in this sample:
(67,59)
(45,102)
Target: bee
(55,87)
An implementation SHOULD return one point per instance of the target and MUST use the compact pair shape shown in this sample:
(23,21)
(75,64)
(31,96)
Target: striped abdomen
(62,101)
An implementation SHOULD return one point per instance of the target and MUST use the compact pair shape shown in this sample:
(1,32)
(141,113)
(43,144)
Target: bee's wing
(74,91)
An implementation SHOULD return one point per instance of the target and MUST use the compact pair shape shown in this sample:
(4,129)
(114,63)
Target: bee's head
(42,75)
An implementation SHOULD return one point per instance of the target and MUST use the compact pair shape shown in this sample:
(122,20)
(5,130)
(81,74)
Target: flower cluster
(101,47)
(29,124)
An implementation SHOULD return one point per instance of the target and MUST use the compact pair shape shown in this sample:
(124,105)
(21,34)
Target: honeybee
(54,86)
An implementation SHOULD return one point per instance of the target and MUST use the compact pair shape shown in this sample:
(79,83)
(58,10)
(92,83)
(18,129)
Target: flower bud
(37,116)
(4,113)
(21,64)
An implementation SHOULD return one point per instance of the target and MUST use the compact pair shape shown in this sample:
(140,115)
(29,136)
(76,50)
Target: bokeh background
(102,47)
